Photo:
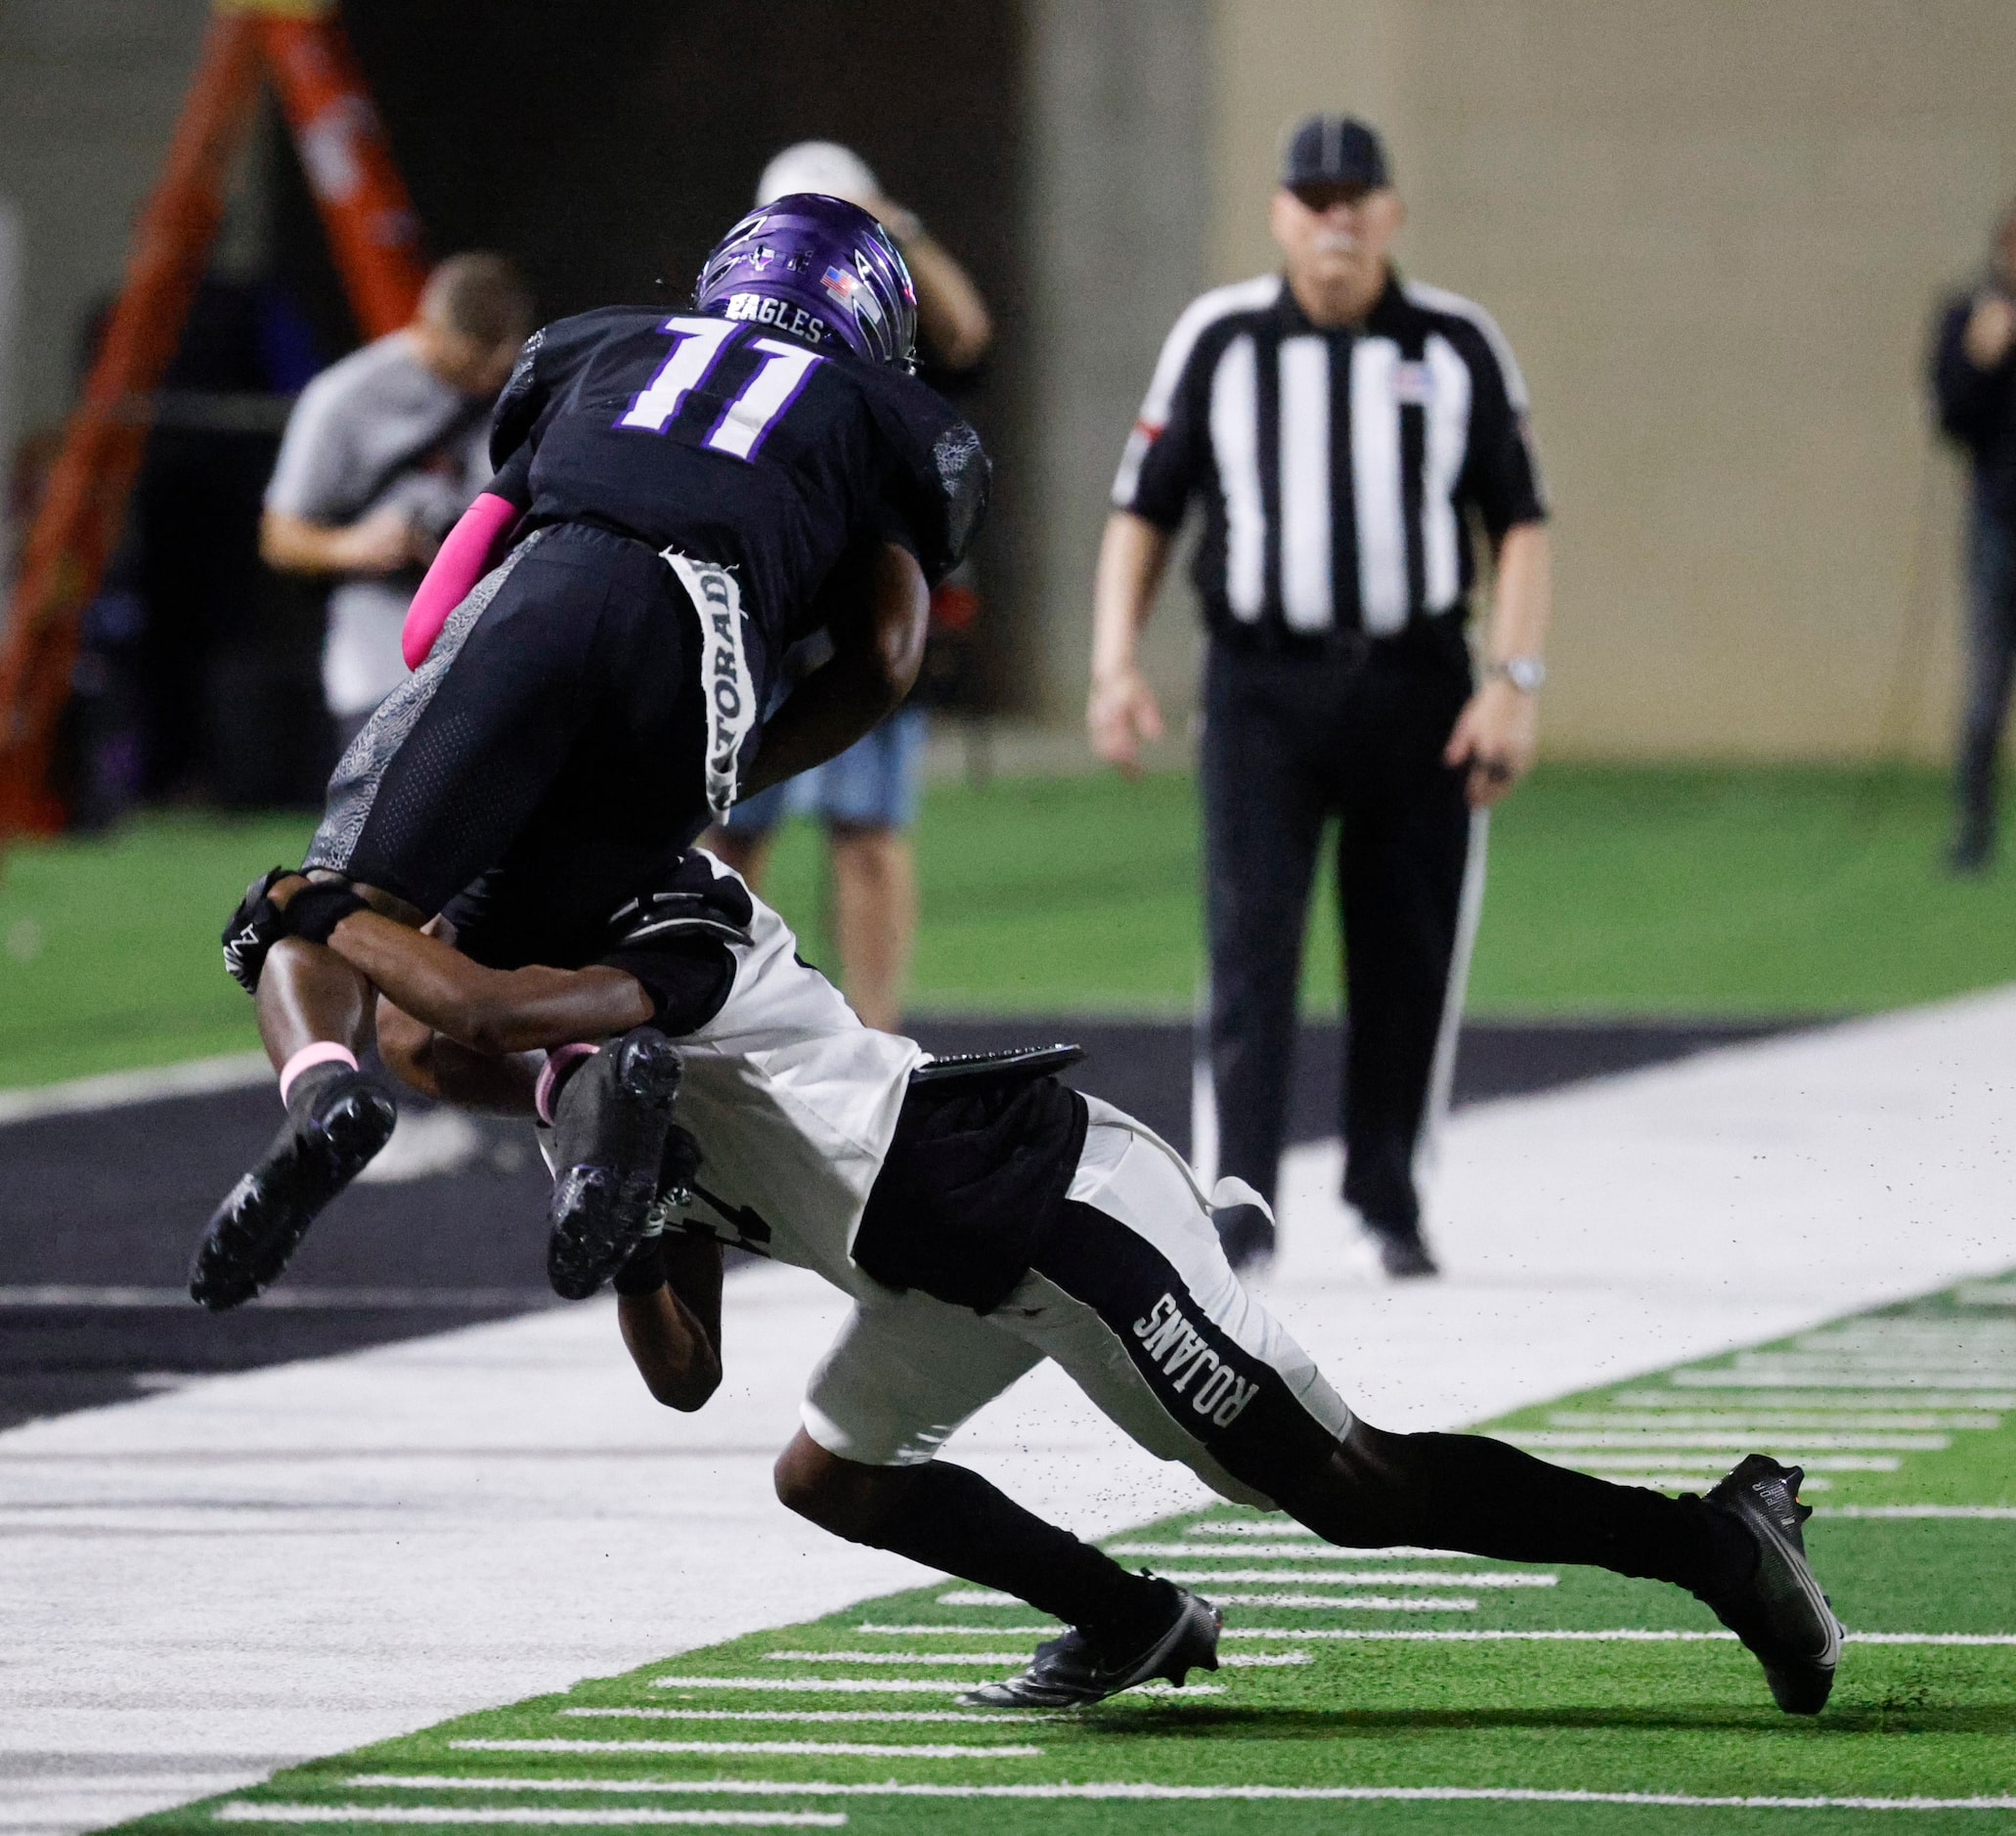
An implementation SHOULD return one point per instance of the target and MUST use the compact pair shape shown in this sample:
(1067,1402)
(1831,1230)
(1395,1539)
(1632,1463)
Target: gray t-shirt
(351,422)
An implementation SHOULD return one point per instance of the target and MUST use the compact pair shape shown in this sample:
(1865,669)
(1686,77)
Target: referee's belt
(1429,631)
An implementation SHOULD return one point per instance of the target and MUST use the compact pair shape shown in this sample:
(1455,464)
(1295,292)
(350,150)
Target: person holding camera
(383,453)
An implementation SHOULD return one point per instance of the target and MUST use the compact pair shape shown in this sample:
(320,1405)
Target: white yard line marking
(1568,1440)
(1228,1631)
(1235,1528)
(1392,1578)
(1507,1794)
(1916,1510)
(896,1657)
(1962,1383)
(1816,1462)
(1240,1660)
(1729,1423)
(969,1717)
(876,1749)
(1354,1602)
(1284,1552)
(1049,1629)
(1775,1399)
(244,1812)
(871,1686)
(1334,1603)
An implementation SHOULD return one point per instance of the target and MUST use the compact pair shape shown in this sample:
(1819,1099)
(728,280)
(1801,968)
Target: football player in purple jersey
(679,498)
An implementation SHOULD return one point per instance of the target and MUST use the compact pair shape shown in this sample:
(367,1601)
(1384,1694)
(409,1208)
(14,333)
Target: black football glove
(252,930)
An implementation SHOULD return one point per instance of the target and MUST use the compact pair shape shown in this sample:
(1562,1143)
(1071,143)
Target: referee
(1342,426)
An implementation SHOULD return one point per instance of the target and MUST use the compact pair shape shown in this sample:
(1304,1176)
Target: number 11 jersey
(738,444)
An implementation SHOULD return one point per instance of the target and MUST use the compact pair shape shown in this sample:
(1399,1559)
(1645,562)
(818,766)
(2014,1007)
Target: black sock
(301,1092)
(953,1519)
(1468,1492)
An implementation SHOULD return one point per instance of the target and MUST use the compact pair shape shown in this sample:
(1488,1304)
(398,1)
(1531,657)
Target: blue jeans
(874,784)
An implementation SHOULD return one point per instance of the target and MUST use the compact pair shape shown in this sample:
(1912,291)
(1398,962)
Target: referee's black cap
(1333,150)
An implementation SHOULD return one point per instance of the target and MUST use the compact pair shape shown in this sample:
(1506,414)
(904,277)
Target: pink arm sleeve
(463,560)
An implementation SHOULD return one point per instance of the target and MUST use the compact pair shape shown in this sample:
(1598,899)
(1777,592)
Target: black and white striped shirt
(1336,467)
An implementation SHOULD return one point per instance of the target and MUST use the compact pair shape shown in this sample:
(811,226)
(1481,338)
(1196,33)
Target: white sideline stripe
(1393,1578)
(969,1716)
(1258,1660)
(241,1813)
(447,1299)
(876,1749)
(874,1686)
(112,1090)
(1486,1794)
(1916,1510)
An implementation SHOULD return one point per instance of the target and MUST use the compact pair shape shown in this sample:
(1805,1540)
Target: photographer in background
(1974,383)
(383,453)
(867,799)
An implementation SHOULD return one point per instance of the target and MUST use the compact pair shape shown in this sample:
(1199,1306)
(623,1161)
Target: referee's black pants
(1289,739)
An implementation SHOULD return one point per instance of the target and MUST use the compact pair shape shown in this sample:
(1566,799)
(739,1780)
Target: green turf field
(1412,1692)
(1612,892)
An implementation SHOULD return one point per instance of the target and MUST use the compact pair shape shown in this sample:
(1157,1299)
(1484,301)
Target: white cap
(819,165)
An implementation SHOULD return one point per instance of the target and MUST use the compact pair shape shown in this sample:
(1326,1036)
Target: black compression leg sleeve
(1468,1492)
(952,1520)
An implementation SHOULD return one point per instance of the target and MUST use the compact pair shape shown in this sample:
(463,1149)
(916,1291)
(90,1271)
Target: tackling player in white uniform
(984,1217)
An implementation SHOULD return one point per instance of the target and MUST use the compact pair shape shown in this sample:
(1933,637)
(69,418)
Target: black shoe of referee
(337,1120)
(1071,1673)
(1778,1612)
(610,1128)
(1402,1252)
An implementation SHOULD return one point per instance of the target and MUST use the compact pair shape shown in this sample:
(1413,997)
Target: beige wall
(1714,231)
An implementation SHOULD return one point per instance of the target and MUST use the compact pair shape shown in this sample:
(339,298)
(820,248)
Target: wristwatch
(1525,674)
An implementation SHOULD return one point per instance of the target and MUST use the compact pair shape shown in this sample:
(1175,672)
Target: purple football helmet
(820,268)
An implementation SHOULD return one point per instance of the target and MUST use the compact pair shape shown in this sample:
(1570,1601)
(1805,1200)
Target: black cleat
(332,1134)
(1401,1252)
(1068,1673)
(1780,1613)
(609,1130)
